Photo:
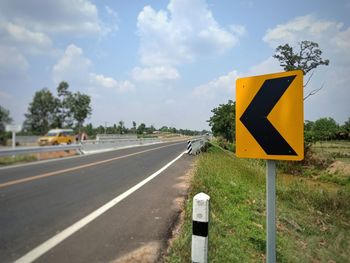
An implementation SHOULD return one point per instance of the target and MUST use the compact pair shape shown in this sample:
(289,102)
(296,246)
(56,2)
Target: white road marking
(55,240)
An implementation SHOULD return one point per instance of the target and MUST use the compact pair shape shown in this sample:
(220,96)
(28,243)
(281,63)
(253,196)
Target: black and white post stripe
(189,147)
(200,224)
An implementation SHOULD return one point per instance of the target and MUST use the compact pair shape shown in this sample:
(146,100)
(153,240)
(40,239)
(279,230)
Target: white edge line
(55,240)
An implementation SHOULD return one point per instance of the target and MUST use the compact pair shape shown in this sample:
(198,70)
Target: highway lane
(36,210)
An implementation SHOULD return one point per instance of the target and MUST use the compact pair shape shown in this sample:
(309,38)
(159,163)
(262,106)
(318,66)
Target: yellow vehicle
(56,137)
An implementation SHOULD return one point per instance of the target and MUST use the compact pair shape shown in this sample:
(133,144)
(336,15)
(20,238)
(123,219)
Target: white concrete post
(200,219)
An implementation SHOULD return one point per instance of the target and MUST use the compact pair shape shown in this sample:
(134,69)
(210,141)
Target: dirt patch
(179,203)
(340,168)
(52,155)
(148,253)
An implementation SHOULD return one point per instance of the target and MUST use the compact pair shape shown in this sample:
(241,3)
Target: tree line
(67,109)
(223,121)
(141,129)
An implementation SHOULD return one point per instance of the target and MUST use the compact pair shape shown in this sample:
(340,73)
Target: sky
(166,62)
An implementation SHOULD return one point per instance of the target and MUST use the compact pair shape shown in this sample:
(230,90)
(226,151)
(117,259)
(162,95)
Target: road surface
(51,212)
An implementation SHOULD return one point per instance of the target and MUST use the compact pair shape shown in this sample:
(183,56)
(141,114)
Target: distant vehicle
(56,137)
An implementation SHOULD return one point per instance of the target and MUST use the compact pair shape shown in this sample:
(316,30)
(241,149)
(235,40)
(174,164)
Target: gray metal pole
(270,211)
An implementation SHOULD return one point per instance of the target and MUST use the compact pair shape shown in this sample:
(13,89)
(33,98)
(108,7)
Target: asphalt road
(38,201)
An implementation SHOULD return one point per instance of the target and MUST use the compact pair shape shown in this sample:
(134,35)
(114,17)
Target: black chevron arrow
(255,117)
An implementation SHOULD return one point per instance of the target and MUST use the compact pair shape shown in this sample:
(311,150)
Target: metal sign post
(270,211)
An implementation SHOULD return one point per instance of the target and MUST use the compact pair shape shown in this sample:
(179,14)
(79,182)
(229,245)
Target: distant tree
(164,129)
(345,129)
(150,129)
(63,115)
(100,129)
(41,112)
(222,122)
(79,105)
(90,131)
(4,119)
(308,132)
(121,128)
(133,127)
(306,58)
(141,129)
(325,129)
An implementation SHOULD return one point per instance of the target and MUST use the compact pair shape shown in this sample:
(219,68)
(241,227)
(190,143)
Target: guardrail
(38,149)
(196,145)
(98,145)
(85,147)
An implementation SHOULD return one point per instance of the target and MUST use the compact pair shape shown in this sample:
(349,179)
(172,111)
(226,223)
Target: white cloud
(76,69)
(12,62)
(73,65)
(100,81)
(155,73)
(63,16)
(221,86)
(5,96)
(20,34)
(239,30)
(268,66)
(184,32)
(332,36)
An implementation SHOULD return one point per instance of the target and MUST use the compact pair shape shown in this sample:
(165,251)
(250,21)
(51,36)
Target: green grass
(313,224)
(8,160)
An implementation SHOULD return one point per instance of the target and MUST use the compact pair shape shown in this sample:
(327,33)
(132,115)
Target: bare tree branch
(308,80)
(313,92)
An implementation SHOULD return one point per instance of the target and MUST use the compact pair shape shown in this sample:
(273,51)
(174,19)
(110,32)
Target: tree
(79,105)
(63,114)
(222,122)
(41,112)
(309,137)
(121,128)
(133,127)
(345,129)
(325,129)
(4,119)
(141,129)
(307,58)
(90,130)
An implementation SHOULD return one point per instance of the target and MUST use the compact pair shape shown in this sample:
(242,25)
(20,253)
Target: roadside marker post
(270,126)
(200,221)
(13,128)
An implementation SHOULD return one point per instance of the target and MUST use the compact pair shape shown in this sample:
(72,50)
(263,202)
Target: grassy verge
(313,223)
(8,160)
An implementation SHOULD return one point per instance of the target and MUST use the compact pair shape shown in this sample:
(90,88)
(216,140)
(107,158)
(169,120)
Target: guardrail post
(189,147)
(200,222)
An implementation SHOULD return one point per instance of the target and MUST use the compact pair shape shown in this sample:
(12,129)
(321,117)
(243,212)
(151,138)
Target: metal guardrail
(84,147)
(98,145)
(196,145)
(38,149)
(101,137)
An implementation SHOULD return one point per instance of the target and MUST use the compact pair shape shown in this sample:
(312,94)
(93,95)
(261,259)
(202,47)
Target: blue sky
(166,62)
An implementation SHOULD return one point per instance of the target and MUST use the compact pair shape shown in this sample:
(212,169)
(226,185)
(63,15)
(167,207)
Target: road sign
(270,116)
(13,127)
